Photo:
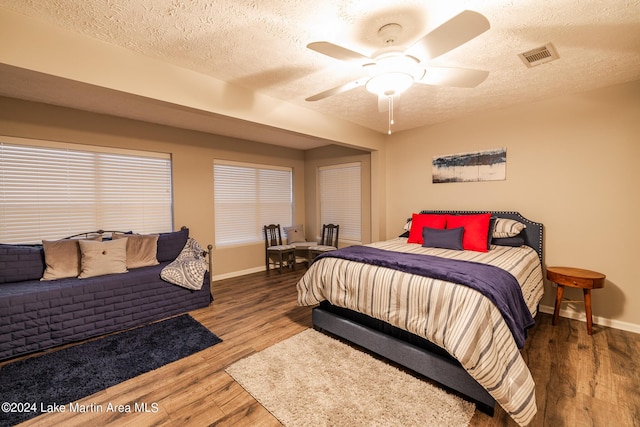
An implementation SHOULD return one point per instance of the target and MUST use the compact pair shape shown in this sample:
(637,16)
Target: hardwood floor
(580,380)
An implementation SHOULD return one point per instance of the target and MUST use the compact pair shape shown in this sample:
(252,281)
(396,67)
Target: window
(248,197)
(52,190)
(340,200)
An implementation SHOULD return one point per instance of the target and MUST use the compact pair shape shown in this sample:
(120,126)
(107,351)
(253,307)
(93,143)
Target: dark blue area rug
(72,373)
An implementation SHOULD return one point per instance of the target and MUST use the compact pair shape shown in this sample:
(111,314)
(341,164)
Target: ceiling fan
(391,70)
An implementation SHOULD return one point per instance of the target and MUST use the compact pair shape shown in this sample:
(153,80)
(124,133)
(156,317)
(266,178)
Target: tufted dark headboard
(532,235)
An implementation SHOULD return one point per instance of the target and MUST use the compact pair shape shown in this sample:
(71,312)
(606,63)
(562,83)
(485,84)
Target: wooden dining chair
(328,241)
(275,252)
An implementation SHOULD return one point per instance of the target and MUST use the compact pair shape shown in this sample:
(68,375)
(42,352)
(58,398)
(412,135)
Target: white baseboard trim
(252,270)
(238,273)
(578,315)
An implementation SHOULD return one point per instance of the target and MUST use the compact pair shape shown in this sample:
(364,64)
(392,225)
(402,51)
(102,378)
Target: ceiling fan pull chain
(391,109)
(390,98)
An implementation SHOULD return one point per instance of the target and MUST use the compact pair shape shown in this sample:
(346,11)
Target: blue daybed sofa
(36,315)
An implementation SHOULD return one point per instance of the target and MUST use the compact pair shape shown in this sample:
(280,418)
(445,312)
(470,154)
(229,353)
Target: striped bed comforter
(452,316)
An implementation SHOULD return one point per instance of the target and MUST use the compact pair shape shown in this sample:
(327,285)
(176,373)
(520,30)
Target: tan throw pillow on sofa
(62,258)
(142,250)
(99,258)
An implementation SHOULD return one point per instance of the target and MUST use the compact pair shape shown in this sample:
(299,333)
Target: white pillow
(295,234)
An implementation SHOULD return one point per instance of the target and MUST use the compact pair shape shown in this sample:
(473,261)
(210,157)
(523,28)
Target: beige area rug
(311,379)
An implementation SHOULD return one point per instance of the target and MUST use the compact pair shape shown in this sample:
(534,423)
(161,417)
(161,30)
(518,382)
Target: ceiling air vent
(540,55)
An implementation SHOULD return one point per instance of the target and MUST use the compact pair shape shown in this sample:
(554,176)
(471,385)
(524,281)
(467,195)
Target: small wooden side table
(575,278)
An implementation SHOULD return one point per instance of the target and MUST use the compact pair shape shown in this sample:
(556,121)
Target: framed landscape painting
(487,165)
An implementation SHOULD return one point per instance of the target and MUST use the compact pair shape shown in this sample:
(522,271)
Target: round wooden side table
(575,278)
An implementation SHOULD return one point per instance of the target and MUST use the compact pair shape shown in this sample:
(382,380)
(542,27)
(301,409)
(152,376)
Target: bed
(432,325)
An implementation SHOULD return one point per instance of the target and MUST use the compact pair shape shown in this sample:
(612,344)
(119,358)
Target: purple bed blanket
(495,283)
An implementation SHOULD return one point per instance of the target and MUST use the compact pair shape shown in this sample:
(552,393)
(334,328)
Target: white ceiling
(261,46)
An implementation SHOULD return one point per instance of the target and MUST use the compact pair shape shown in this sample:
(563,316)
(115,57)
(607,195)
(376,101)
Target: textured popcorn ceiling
(261,45)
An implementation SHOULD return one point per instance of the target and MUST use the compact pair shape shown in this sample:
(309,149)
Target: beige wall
(192,158)
(572,164)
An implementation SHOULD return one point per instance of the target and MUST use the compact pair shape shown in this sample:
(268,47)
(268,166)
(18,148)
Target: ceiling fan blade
(335,51)
(336,90)
(383,102)
(456,31)
(453,77)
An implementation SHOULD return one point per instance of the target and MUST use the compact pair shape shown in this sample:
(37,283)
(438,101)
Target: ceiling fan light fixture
(397,62)
(389,84)
(393,69)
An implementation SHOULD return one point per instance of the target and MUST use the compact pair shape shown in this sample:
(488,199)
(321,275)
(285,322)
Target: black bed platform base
(434,364)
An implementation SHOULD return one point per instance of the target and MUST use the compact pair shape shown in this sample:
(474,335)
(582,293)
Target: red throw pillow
(476,230)
(419,221)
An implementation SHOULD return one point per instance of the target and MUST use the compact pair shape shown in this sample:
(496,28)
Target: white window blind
(51,192)
(248,197)
(340,199)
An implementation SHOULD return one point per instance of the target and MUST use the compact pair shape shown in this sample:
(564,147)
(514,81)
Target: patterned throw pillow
(189,267)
